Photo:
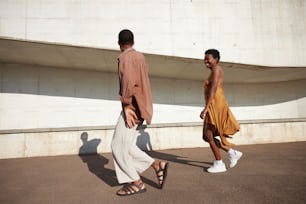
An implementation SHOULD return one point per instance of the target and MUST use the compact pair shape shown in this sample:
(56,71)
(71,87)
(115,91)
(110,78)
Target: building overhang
(105,60)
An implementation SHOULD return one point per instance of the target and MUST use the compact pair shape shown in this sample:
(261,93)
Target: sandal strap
(127,189)
(138,186)
(161,174)
(130,188)
(160,170)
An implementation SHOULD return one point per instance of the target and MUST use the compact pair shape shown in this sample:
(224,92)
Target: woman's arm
(214,81)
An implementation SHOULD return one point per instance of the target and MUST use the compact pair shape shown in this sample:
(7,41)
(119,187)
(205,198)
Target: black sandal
(162,174)
(131,189)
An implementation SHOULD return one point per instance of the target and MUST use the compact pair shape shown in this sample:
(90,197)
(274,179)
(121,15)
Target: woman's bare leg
(208,134)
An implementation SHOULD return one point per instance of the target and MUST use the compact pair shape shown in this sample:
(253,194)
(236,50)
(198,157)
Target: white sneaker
(234,158)
(217,167)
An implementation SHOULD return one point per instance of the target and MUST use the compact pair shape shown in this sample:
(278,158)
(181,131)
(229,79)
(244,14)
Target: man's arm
(128,82)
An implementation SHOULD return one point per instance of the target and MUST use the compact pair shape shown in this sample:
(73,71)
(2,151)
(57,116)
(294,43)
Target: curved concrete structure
(58,82)
(58,69)
(104,60)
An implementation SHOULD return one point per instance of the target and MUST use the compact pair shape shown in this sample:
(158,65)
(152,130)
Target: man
(136,100)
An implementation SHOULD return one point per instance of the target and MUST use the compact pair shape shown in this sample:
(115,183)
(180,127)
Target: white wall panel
(269,33)
(45,97)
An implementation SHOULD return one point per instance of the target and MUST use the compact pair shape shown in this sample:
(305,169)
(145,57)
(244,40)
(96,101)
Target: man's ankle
(137,182)
(155,165)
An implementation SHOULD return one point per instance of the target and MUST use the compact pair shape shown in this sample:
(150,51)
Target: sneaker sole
(213,172)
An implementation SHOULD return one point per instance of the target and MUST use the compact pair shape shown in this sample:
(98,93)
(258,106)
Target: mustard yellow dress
(219,117)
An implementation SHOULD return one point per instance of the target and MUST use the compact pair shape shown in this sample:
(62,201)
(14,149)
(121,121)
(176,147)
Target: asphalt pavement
(267,173)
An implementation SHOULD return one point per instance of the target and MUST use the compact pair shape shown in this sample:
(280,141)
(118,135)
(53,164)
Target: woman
(218,118)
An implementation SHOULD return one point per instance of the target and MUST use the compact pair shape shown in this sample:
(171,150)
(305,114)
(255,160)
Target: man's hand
(130,117)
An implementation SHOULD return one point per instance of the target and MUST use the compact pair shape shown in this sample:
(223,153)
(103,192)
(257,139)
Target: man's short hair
(126,37)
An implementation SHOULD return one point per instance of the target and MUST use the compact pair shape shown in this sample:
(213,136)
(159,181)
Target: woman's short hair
(215,53)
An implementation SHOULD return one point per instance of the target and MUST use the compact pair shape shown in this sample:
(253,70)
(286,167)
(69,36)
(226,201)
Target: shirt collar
(125,51)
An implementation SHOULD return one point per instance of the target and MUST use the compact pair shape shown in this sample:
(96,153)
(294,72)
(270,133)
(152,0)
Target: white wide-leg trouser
(129,160)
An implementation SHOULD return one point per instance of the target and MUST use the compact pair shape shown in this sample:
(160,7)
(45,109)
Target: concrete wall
(270,32)
(45,97)
(45,110)
(52,142)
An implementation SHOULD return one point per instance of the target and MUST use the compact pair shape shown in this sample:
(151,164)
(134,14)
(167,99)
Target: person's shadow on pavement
(144,143)
(96,162)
